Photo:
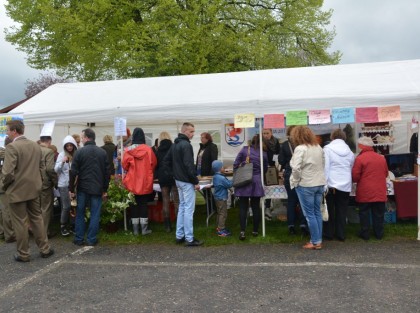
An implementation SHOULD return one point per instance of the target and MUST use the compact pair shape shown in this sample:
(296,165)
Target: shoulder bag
(242,176)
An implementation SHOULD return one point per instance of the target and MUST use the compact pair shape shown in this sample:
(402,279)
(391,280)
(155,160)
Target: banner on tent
(3,127)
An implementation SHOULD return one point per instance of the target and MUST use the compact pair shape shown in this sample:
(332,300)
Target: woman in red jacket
(139,163)
(370,172)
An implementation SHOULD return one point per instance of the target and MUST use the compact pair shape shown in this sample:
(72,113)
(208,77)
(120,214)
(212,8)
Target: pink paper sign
(319,116)
(388,114)
(273,120)
(367,115)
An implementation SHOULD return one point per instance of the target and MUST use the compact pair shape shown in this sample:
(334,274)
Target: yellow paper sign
(244,120)
(387,114)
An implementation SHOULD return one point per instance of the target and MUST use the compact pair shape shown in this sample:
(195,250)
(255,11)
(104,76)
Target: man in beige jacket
(6,227)
(22,182)
(49,180)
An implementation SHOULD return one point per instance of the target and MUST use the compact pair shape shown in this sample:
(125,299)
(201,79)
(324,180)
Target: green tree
(106,39)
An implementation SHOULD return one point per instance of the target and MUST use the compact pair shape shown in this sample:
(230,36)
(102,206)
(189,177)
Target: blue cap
(216,166)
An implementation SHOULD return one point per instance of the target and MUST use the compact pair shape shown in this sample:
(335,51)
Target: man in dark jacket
(181,158)
(89,174)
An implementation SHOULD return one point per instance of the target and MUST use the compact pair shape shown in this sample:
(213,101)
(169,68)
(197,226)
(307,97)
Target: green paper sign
(297,118)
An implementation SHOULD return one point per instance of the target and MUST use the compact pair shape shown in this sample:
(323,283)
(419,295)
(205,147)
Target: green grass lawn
(276,231)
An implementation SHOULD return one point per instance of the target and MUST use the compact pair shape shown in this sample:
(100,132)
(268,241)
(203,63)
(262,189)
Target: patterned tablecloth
(389,188)
(275,192)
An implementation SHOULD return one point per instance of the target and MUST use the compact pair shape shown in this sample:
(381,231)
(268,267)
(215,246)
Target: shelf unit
(381,134)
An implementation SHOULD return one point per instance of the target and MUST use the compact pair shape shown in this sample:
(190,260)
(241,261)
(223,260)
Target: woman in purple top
(255,190)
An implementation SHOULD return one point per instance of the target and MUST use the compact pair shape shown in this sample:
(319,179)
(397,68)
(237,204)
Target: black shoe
(64,231)
(194,243)
(180,240)
(242,235)
(78,243)
(48,254)
(51,234)
(305,231)
(20,259)
(255,234)
(92,244)
(292,231)
(363,237)
(10,240)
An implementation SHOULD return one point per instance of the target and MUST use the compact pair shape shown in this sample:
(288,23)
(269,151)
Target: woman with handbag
(254,190)
(293,215)
(308,179)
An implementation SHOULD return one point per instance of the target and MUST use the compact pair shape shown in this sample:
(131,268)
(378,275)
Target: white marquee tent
(209,98)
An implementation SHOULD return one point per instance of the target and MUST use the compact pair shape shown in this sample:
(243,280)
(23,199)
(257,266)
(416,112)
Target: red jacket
(370,172)
(139,162)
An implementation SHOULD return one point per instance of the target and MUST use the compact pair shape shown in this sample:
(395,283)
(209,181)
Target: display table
(405,192)
(275,192)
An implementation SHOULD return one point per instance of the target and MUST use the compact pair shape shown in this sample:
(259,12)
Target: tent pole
(417,160)
(262,201)
(122,178)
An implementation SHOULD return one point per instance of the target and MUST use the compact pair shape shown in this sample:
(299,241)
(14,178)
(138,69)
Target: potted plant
(118,199)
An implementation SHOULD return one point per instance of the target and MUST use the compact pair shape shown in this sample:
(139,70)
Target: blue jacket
(221,185)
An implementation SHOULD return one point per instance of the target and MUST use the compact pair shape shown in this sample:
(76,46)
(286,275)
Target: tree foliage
(106,39)
(37,85)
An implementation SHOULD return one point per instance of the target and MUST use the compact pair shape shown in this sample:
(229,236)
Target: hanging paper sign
(273,120)
(388,114)
(342,115)
(244,120)
(48,129)
(414,123)
(319,116)
(120,126)
(297,118)
(367,115)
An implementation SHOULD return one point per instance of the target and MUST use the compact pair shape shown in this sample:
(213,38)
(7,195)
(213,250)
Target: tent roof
(215,96)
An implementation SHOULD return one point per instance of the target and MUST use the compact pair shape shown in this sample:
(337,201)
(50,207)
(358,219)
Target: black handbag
(242,176)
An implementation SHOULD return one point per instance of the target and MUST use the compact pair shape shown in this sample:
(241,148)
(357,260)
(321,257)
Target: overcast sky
(367,31)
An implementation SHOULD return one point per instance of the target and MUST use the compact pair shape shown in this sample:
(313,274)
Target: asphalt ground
(343,277)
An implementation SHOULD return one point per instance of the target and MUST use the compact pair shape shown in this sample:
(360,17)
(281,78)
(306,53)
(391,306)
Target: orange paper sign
(388,114)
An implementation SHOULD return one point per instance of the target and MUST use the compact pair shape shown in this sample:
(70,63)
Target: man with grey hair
(22,182)
(370,172)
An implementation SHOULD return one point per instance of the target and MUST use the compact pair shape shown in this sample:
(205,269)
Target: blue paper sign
(342,115)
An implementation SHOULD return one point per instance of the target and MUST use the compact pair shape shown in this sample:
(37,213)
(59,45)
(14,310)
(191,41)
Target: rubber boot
(144,222)
(135,222)
(168,227)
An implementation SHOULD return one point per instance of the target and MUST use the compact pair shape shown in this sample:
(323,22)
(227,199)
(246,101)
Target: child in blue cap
(221,185)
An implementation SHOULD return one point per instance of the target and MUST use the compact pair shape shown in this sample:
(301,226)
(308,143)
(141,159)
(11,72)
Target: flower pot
(111,227)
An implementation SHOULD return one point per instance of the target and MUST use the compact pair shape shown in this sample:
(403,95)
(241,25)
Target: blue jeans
(184,222)
(310,202)
(94,202)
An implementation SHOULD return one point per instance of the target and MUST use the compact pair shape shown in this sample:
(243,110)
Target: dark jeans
(243,212)
(378,212)
(140,209)
(293,216)
(337,203)
(94,202)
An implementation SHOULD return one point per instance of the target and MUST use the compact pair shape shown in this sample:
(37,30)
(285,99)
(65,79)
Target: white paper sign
(120,126)
(48,129)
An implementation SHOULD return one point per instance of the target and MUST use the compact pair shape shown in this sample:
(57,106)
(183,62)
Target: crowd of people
(33,174)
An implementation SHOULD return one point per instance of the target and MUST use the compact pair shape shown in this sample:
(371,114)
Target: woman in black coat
(206,155)
(166,179)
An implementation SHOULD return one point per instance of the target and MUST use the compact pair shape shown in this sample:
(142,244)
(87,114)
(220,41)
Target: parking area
(344,277)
